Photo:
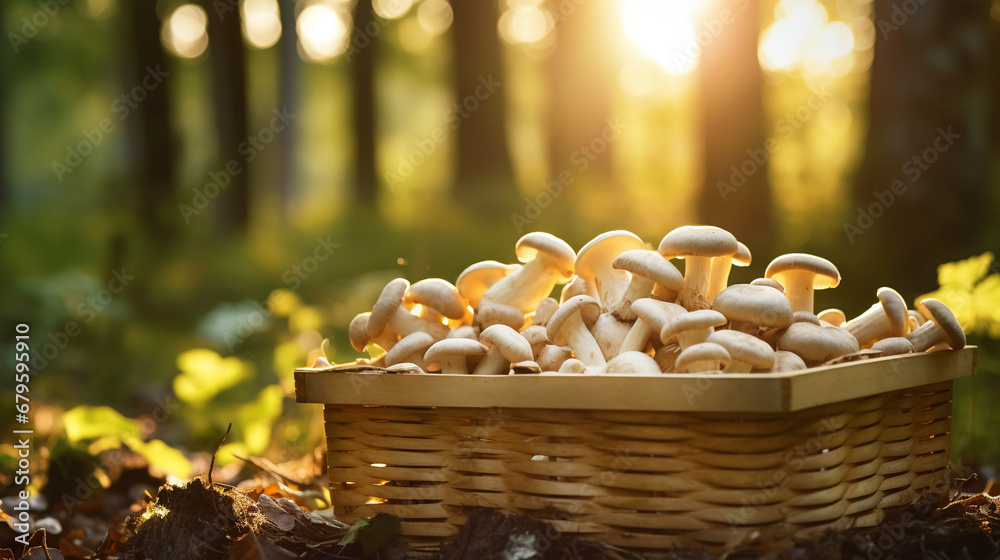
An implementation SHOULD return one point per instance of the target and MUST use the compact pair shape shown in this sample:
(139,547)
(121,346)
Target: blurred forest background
(195,194)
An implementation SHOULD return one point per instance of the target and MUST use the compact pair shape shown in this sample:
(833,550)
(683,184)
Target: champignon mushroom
(702,357)
(748,307)
(453,353)
(473,282)
(551,357)
(721,266)
(805,317)
(609,333)
(893,346)
(438,298)
(769,283)
(666,356)
(410,349)
(536,337)
(595,262)
(548,261)
(746,351)
(648,269)
(697,245)
(833,317)
(634,363)
(887,318)
(490,313)
(941,327)
(527,366)
(357,332)
(817,344)
(506,347)
(569,324)
(578,287)
(691,328)
(787,361)
(405,368)
(573,365)
(543,313)
(388,312)
(651,315)
(800,274)
(465,332)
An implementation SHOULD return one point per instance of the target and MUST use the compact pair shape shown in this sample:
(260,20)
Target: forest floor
(276,514)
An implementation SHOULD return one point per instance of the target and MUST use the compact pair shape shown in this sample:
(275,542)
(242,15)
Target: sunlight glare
(186,31)
(635,79)
(324,32)
(834,41)
(435,16)
(663,32)
(392,9)
(261,22)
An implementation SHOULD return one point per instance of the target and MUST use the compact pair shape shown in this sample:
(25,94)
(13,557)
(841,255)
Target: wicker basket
(719,462)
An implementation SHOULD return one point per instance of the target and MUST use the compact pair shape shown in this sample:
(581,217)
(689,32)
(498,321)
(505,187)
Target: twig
(211,466)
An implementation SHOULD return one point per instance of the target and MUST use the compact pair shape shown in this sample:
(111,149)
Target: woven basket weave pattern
(643,479)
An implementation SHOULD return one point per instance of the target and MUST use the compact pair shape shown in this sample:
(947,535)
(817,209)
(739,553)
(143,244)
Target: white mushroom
(697,245)
(548,261)
(647,269)
(632,362)
(702,357)
(800,274)
(452,354)
(746,352)
(594,262)
(721,266)
(506,347)
(887,318)
(569,324)
(941,327)
(691,328)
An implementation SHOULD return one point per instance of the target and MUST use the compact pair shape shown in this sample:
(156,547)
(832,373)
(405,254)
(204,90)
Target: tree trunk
(226,51)
(733,131)
(288,96)
(155,146)
(582,76)
(478,116)
(928,140)
(361,62)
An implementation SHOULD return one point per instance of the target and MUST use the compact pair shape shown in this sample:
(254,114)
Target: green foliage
(204,374)
(380,533)
(968,288)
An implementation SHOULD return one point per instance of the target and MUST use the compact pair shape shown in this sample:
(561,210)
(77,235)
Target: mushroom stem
(406,324)
(799,291)
(693,336)
(721,267)
(870,326)
(520,288)
(637,337)
(583,343)
(639,287)
(454,364)
(926,336)
(697,275)
(736,366)
(493,364)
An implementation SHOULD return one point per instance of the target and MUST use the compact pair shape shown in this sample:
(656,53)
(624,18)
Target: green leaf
(92,422)
(964,274)
(352,534)
(162,456)
(204,374)
(378,534)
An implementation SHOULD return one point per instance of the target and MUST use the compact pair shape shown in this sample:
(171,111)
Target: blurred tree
(288,96)
(582,73)
(921,193)
(733,130)
(227,55)
(360,58)
(478,114)
(155,152)
(4,71)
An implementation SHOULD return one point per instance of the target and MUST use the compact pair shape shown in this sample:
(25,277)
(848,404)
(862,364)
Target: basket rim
(705,392)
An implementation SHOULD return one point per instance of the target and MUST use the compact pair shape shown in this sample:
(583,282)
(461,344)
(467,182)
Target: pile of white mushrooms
(626,309)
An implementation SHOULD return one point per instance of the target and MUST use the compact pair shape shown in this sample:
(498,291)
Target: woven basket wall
(643,479)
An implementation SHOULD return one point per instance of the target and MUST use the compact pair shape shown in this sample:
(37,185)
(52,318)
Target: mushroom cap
(827,275)
(499,314)
(357,331)
(938,312)
(916,317)
(893,346)
(701,319)
(526,366)
(473,282)
(650,264)
(702,352)
(405,368)
(551,357)
(536,337)
(454,347)
(756,305)
(604,249)
(806,317)
(894,307)
(656,313)
(743,257)
(557,252)
(440,295)
(573,365)
(407,346)
(543,313)
(769,283)
(744,348)
(511,345)
(833,316)
(816,344)
(578,287)
(698,241)
(787,361)
(633,362)
(465,331)
(586,306)
(388,301)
